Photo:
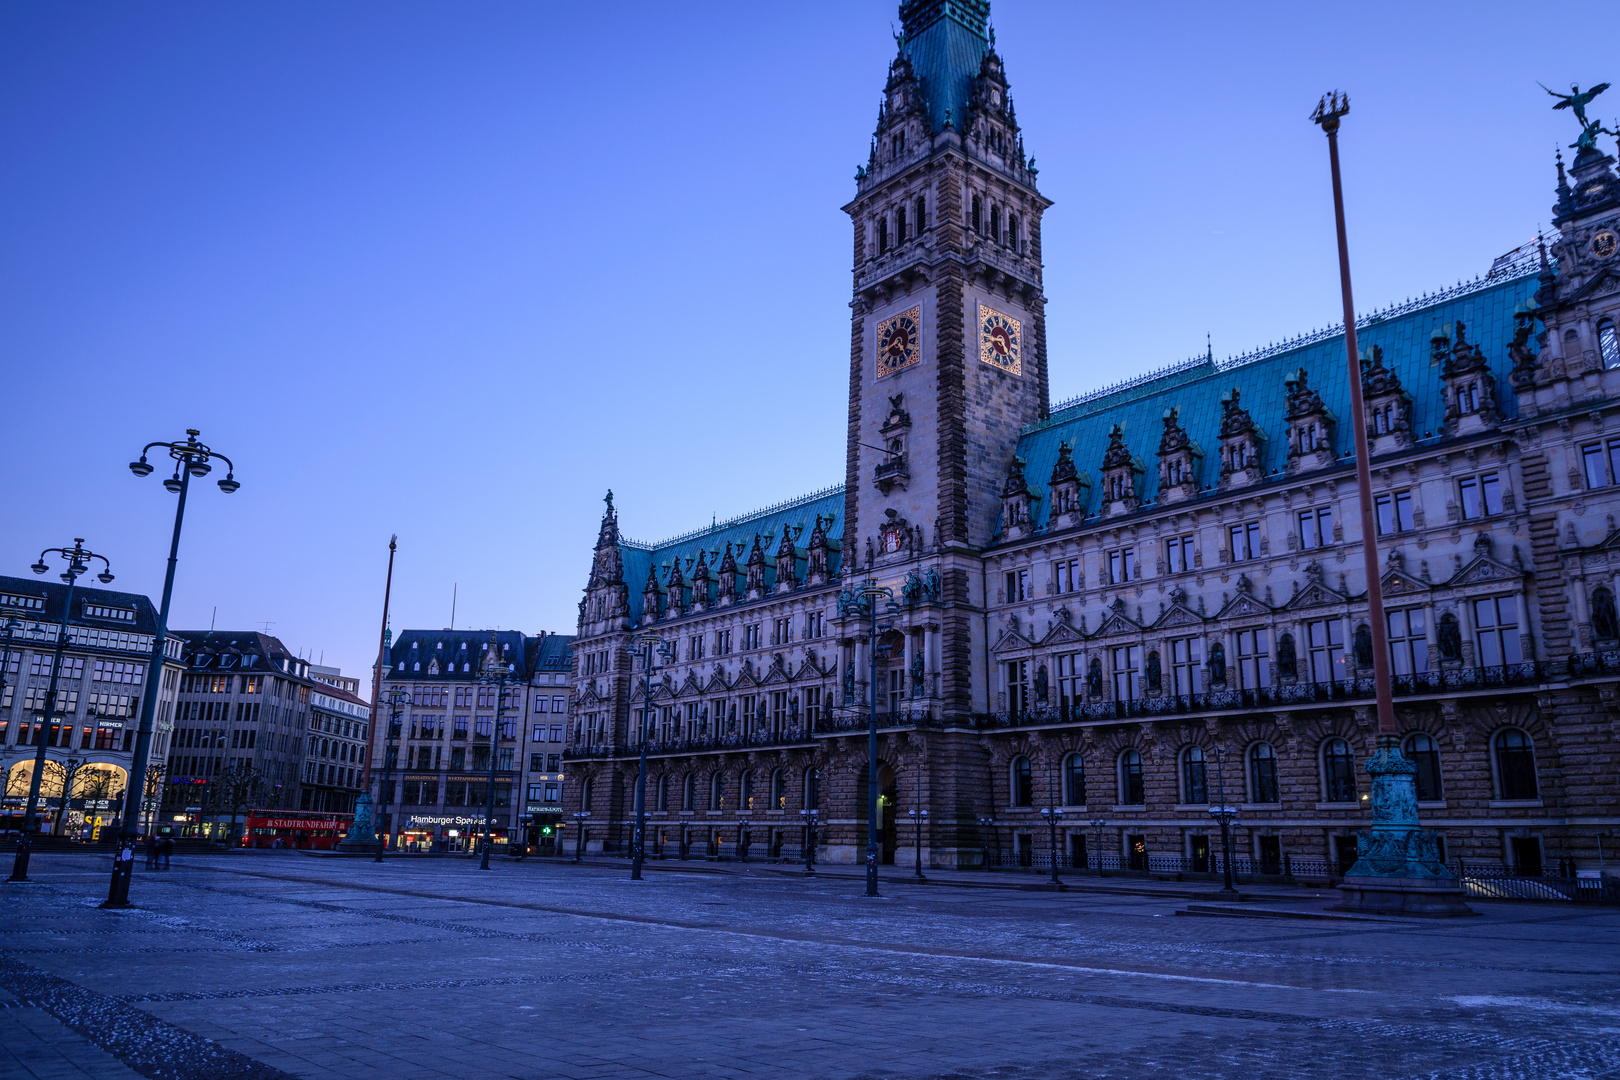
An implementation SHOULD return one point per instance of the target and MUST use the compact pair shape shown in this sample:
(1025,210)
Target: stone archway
(888,803)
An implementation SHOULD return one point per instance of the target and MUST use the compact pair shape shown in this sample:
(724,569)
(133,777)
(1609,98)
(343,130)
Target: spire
(944,42)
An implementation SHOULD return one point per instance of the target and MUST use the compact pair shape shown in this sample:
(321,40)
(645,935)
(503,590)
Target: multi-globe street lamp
(78,559)
(1226,815)
(1053,814)
(503,673)
(1097,826)
(987,822)
(810,817)
(919,818)
(396,701)
(638,845)
(579,832)
(191,458)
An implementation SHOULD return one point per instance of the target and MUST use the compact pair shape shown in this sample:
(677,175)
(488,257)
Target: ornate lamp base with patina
(1398,869)
(361,839)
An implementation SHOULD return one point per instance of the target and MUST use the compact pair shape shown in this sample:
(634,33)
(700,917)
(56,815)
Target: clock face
(1604,244)
(898,344)
(1001,340)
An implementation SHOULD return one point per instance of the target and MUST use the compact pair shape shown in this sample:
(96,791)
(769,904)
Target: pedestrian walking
(165,849)
(151,852)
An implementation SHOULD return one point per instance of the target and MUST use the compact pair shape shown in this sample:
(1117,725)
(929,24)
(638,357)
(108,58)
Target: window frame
(1257,784)
(1338,772)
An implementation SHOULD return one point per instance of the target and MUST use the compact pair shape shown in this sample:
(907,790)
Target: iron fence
(1494,882)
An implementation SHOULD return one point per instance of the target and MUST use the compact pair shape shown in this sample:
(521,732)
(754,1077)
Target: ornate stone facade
(1134,646)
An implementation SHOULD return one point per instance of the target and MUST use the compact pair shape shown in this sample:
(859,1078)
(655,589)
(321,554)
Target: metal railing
(1494,882)
(1448,680)
(1038,859)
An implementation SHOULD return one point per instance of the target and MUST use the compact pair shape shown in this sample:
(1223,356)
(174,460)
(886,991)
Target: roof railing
(1516,264)
(741,519)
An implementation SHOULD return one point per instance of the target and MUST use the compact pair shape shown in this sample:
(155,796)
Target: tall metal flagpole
(1397,866)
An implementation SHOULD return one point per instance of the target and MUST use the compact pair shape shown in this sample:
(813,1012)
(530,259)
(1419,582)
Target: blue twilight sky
(451,270)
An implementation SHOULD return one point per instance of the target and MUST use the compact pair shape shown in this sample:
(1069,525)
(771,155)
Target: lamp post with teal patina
(1398,866)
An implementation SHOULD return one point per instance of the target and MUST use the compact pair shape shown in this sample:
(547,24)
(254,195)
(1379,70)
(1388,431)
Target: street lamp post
(638,844)
(497,678)
(920,817)
(810,839)
(986,822)
(1226,815)
(579,832)
(1097,826)
(1053,814)
(191,458)
(1398,865)
(870,592)
(78,559)
(397,698)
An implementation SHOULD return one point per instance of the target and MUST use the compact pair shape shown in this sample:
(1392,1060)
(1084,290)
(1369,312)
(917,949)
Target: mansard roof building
(1148,599)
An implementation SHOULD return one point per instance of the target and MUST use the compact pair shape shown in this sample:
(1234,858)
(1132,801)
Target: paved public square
(277,964)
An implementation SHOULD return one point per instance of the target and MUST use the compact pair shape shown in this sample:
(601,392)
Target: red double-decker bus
(295,829)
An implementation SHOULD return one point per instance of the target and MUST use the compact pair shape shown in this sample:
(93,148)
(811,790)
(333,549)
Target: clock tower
(947,342)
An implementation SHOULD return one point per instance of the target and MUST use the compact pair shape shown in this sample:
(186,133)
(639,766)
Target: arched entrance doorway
(888,801)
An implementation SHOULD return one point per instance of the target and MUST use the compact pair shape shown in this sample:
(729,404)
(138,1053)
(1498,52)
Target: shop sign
(537,808)
(109,723)
(445,819)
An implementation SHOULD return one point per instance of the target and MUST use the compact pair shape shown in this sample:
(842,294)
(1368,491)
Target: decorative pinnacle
(1333,105)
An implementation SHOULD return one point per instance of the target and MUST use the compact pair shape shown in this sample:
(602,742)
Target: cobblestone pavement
(275,964)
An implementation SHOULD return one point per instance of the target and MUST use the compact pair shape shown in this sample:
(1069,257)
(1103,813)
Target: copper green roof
(739,532)
(945,40)
(1195,387)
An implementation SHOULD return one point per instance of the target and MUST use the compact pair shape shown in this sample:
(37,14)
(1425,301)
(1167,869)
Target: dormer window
(1468,398)
(103,611)
(897,143)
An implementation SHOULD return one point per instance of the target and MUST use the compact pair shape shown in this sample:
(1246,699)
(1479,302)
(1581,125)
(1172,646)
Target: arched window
(1074,780)
(1605,622)
(717,789)
(746,800)
(778,790)
(1194,776)
(1263,773)
(976,217)
(1423,752)
(663,793)
(1515,765)
(1338,772)
(1608,346)
(995,223)
(900,225)
(1021,787)
(585,794)
(1012,231)
(688,793)
(812,789)
(1130,779)
(882,235)
(922,217)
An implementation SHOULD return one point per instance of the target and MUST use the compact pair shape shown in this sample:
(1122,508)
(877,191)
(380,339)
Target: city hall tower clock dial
(898,344)
(1000,340)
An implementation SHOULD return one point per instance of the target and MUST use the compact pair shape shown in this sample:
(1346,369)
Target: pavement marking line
(806,939)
